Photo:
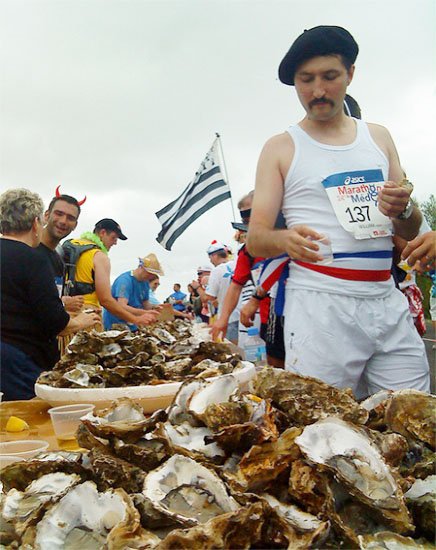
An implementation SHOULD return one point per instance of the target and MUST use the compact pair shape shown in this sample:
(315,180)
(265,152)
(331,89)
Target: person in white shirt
(336,176)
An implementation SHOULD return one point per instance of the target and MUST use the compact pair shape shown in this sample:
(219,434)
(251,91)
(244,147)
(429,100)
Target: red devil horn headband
(59,195)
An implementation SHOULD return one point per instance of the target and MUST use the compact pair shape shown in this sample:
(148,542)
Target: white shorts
(363,344)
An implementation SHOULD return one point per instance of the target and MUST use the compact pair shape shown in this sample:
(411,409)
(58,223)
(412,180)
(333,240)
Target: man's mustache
(321,102)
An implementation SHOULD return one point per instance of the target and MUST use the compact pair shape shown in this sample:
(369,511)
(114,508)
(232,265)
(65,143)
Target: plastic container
(22,448)
(150,397)
(254,348)
(66,419)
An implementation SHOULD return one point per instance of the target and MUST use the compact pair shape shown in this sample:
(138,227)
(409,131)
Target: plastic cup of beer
(66,419)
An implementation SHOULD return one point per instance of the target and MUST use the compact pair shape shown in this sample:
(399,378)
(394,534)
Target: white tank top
(305,201)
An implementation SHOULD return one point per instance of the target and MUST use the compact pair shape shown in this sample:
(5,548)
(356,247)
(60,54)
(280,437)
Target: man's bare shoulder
(279,142)
(382,138)
(378,131)
(101,259)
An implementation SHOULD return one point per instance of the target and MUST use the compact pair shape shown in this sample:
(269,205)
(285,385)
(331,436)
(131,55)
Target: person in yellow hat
(132,290)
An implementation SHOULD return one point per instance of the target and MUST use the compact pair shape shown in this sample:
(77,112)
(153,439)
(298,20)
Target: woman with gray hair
(31,314)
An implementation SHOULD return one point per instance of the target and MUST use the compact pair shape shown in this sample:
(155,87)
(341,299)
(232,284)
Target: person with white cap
(218,284)
(132,291)
(338,177)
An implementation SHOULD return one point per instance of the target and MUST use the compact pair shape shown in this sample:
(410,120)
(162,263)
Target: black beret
(322,40)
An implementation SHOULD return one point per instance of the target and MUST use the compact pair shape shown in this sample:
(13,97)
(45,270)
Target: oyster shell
(304,399)
(421,500)
(163,335)
(85,518)
(194,396)
(391,541)
(187,491)
(310,531)
(218,415)
(264,463)
(111,472)
(23,507)
(147,452)
(262,425)
(124,416)
(210,392)
(191,440)
(376,405)
(412,413)
(84,376)
(127,375)
(242,528)
(355,460)
(18,475)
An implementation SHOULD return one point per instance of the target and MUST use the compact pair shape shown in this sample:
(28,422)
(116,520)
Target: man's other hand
(393,199)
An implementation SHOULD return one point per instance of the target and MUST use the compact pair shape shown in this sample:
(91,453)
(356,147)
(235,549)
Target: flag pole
(218,137)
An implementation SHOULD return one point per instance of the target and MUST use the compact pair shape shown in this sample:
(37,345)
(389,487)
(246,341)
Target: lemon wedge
(15,424)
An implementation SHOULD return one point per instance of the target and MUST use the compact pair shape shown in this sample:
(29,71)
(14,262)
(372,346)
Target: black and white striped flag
(207,189)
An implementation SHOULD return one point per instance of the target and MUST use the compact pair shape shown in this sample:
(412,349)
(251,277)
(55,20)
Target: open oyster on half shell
(187,492)
(356,461)
(21,508)
(85,518)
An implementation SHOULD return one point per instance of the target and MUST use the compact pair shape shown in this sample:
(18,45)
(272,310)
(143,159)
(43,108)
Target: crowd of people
(330,179)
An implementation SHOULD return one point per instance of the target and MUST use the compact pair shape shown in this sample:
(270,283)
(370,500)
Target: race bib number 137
(354,198)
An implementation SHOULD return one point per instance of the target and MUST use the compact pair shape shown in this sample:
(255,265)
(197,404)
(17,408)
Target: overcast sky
(120,101)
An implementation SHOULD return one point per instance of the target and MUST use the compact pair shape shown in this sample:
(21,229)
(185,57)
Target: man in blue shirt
(132,290)
(177,298)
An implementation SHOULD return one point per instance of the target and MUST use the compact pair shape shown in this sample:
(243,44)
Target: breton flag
(207,189)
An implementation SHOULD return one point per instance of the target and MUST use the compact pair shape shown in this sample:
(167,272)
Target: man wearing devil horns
(60,219)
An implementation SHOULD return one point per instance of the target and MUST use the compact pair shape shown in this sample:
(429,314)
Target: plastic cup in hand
(325,250)
(66,419)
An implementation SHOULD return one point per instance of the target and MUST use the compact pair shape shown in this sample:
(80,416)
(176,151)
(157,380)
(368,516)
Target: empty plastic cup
(22,448)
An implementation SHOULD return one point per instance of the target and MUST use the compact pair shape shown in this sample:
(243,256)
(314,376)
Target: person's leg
(273,336)
(400,360)
(325,338)
(18,374)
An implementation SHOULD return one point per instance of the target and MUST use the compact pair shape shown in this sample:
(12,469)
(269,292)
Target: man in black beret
(339,183)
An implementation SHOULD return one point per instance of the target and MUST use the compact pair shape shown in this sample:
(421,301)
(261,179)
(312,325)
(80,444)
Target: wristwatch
(407,212)
(256,295)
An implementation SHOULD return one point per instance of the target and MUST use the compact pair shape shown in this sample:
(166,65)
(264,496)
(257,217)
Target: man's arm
(147,306)
(393,198)
(103,291)
(262,238)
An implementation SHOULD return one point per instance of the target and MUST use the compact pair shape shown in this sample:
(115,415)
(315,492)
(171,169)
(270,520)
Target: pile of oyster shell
(294,463)
(163,352)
